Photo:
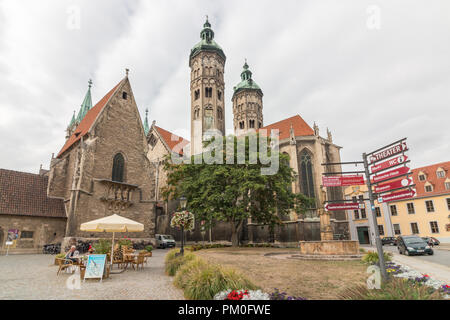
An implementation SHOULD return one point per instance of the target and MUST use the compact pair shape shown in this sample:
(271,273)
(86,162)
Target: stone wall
(45,230)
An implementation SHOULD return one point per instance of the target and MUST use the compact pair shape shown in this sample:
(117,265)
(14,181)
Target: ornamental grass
(394,289)
(201,280)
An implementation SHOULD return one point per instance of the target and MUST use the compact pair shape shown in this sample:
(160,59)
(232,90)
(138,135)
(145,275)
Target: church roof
(26,194)
(171,139)
(85,124)
(301,128)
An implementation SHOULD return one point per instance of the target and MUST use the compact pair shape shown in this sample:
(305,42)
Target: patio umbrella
(114,223)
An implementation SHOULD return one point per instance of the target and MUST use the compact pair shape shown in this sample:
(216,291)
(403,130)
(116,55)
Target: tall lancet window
(306,174)
(118,167)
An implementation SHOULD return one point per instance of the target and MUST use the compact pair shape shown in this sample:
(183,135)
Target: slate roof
(25,194)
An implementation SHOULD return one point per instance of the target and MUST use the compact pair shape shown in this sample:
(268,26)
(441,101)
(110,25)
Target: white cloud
(316,59)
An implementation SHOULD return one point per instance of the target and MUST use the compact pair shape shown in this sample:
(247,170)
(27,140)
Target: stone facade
(82,174)
(43,230)
(207,63)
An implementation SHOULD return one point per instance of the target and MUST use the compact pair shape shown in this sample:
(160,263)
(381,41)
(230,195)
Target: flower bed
(415,277)
(242,295)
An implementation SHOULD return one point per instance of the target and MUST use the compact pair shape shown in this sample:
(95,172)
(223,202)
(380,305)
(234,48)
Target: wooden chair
(139,261)
(63,264)
(117,257)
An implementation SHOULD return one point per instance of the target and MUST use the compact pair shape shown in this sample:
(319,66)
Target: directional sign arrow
(395,196)
(389,152)
(391,174)
(389,163)
(341,206)
(393,185)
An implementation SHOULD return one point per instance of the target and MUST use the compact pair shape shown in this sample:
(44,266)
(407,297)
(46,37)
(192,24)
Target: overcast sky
(371,71)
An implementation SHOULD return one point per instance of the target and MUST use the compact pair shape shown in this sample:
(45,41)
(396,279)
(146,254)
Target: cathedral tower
(247,104)
(207,63)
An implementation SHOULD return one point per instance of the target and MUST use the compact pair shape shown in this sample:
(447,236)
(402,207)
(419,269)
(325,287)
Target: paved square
(34,277)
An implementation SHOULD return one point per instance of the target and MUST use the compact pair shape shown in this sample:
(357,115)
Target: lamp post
(183,203)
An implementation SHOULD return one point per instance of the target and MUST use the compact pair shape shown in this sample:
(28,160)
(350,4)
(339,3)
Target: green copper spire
(86,105)
(72,122)
(146,126)
(246,80)
(207,42)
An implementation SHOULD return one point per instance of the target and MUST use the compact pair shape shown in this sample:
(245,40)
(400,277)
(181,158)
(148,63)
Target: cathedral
(111,161)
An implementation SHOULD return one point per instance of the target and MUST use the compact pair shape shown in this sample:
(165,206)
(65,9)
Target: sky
(372,72)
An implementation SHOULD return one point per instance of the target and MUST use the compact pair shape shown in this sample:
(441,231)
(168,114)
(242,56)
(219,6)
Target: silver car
(165,241)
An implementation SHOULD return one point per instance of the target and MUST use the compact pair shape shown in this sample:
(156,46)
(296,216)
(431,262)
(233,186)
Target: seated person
(72,254)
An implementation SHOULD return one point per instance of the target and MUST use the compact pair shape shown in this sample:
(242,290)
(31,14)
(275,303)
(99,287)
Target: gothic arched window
(118,167)
(307,180)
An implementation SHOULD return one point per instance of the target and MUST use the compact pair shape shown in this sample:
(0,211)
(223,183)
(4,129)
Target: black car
(389,240)
(411,245)
(431,241)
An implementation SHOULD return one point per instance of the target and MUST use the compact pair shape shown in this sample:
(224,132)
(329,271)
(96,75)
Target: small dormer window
(124,95)
(429,187)
(440,173)
(422,177)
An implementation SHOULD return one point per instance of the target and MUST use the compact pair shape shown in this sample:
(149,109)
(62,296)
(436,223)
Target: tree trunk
(235,230)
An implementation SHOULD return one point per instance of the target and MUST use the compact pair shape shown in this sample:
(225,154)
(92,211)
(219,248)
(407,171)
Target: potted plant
(59,256)
(149,250)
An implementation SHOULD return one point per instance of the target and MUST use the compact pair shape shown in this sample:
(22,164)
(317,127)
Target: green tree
(233,192)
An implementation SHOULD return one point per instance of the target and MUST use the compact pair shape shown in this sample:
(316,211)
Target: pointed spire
(207,33)
(146,127)
(86,105)
(246,74)
(316,129)
(127,71)
(330,137)
(72,122)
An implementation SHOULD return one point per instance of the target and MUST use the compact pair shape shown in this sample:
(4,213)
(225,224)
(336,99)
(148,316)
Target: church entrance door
(363,235)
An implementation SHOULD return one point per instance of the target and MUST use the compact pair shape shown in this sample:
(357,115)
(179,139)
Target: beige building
(427,214)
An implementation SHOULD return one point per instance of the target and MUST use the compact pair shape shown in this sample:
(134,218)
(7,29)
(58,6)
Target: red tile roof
(172,140)
(431,177)
(25,194)
(87,121)
(301,128)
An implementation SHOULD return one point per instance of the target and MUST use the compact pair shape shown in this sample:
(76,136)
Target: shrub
(187,271)
(125,242)
(174,262)
(394,289)
(212,279)
(103,246)
(371,257)
(61,255)
(149,248)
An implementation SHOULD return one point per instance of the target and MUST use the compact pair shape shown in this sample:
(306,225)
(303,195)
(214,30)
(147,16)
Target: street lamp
(183,203)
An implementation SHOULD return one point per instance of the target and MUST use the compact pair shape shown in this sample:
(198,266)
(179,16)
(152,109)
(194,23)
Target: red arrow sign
(393,185)
(341,206)
(342,181)
(387,164)
(388,152)
(396,196)
(390,174)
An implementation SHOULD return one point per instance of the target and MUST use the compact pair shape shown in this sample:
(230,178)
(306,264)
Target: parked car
(431,241)
(165,241)
(411,245)
(389,240)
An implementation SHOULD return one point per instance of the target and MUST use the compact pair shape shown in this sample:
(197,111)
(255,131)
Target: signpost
(388,164)
(386,185)
(342,206)
(391,174)
(397,184)
(388,151)
(342,181)
(405,194)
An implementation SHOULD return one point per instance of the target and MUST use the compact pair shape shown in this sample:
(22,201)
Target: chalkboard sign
(95,266)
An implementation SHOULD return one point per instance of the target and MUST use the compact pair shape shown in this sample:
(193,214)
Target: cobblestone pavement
(34,277)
